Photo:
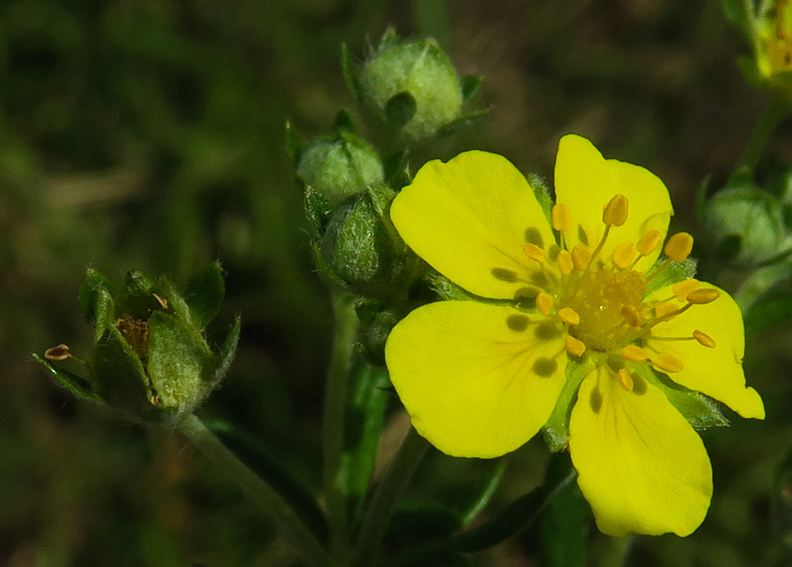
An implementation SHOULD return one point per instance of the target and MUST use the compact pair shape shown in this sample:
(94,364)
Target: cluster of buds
(150,361)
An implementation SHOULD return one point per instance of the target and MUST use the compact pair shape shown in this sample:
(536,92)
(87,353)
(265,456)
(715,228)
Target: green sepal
(397,171)
(73,383)
(698,409)
(139,296)
(204,294)
(175,303)
(400,109)
(365,413)
(448,290)
(737,13)
(178,363)
(294,146)
(464,119)
(390,39)
(556,430)
(118,376)
(542,194)
(95,300)
(564,521)
(262,460)
(317,209)
(471,85)
(516,517)
(225,356)
(674,272)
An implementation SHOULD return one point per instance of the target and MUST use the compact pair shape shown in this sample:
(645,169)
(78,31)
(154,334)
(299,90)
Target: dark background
(149,134)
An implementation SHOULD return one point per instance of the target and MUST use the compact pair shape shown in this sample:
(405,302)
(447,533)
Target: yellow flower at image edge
(480,378)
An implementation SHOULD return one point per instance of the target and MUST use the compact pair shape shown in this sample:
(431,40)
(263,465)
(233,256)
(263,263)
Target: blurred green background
(149,135)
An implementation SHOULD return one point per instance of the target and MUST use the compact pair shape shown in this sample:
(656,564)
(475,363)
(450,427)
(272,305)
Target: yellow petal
(470,219)
(478,380)
(717,371)
(640,464)
(586,182)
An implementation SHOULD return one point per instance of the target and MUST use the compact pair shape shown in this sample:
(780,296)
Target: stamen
(679,246)
(561,217)
(625,379)
(682,289)
(634,353)
(534,252)
(581,257)
(569,316)
(703,296)
(544,302)
(664,309)
(668,363)
(575,346)
(623,254)
(704,339)
(649,242)
(631,315)
(615,212)
(565,262)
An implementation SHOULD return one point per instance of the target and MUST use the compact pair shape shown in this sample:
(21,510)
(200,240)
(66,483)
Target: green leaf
(204,294)
(365,413)
(400,109)
(75,384)
(698,409)
(140,299)
(516,517)
(737,13)
(563,524)
(263,461)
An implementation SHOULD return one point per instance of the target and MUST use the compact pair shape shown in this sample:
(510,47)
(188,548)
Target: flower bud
(150,359)
(411,87)
(746,224)
(337,167)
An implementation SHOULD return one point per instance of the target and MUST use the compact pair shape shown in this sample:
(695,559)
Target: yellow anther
(634,353)
(668,363)
(575,346)
(679,246)
(704,339)
(562,218)
(534,252)
(544,302)
(569,316)
(683,288)
(631,315)
(625,379)
(564,261)
(702,296)
(624,254)
(615,212)
(665,309)
(581,257)
(649,242)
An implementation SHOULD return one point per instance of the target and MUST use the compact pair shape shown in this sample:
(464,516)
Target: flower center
(601,297)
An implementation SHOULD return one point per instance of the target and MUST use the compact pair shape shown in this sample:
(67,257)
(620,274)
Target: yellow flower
(569,297)
(771,33)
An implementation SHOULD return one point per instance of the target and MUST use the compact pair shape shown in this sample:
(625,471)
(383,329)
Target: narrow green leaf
(349,71)
(563,523)
(294,147)
(263,461)
(75,384)
(513,519)
(204,293)
(489,486)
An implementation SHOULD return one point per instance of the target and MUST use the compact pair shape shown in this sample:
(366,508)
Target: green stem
(263,495)
(335,485)
(775,111)
(395,480)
